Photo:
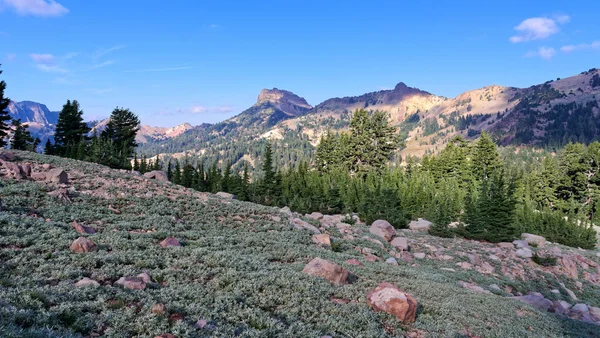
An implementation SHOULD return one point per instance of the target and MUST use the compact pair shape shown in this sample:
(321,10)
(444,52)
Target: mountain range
(548,114)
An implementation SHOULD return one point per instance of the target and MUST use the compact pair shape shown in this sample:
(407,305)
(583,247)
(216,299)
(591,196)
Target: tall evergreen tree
(70,129)
(486,158)
(22,139)
(4,115)
(121,129)
(177,173)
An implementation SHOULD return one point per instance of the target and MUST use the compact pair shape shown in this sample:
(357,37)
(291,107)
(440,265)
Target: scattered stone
(473,287)
(446,257)
(87,282)
(568,266)
(158,309)
(560,307)
(474,259)
(505,245)
(524,253)
(13,169)
(303,225)
(568,291)
(534,240)
(419,255)
(372,258)
(158,175)
(579,311)
(536,300)
(226,195)
(391,261)
(82,244)
(420,225)
(82,229)
(169,242)
(520,244)
(465,265)
(322,239)
(388,298)
(145,277)
(495,287)
(354,261)
(25,169)
(328,270)
(201,323)
(448,269)
(400,243)
(132,283)
(595,313)
(555,291)
(36,176)
(57,176)
(383,229)
(316,216)
(286,211)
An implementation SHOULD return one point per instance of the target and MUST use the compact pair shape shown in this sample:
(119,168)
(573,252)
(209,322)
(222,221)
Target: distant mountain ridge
(552,113)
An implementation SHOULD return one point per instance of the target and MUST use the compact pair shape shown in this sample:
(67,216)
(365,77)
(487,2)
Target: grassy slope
(238,268)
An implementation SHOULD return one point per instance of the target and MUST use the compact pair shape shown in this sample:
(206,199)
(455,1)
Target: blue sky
(204,61)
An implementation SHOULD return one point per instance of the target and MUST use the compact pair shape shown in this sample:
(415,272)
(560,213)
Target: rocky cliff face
(283,100)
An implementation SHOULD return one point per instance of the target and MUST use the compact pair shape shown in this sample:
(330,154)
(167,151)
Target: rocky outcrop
(158,175)
(383,229)
(170,242)
(82,244)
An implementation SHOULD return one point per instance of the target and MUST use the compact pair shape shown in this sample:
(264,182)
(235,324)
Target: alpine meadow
(141,199)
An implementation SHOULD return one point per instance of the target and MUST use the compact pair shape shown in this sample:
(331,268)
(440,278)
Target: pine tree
(4,115)
(170,171)
(143,165)
(70,129)
(22,139)
(226,184)
(187,176)
(121,129)
(177,173)
(136,163)
(486,158)
(48,148)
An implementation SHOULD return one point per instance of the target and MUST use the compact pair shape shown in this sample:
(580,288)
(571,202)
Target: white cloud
(36,7)
(44,59)
(157,70)
(581,46)
(100,65)
(536,29)
(103,51)
(50,68)
(545,53)
(562,18)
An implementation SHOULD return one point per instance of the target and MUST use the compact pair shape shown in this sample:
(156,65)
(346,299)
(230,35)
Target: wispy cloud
(538,28)
(45,59)
(582,46)
(50,69)
(158,70)
(198,110)
(104,51)
(44,8)
(100,65)
(545,53)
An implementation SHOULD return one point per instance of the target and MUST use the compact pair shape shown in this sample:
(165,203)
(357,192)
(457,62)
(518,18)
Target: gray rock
(303,225)
(225,195)
(420,225)
(87,282)
(536,300)
(316,216)
(524,253)
(568,291)
(158,175)
(391,261)
(534,240)
(495,287)
(400,243)
(383,229)
(560,307)
(520,244)
(419,255)
(57,176)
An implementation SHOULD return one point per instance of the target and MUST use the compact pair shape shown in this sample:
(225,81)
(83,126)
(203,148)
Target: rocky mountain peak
(284,100)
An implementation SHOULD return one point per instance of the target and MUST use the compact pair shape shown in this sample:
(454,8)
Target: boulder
(400,243)
(158,175)
(82,244)
(560,307)
(132,283)
(225,195)
(169,242)
(57,176)
(420,225)
(388,298)
(353,261)
(391,261)
(473,287)
(536,300)
(520,244)
(25,169)
(302,225)
(524,253)
(145,277)
(38,176)
(534,240)
(328,270)
(322,239)
(86,282)
(419,255)
(383,229)
(505,245)
(82,229)
(13,169)
(595,313)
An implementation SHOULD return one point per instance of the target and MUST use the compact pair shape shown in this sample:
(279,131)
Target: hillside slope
(238,271)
